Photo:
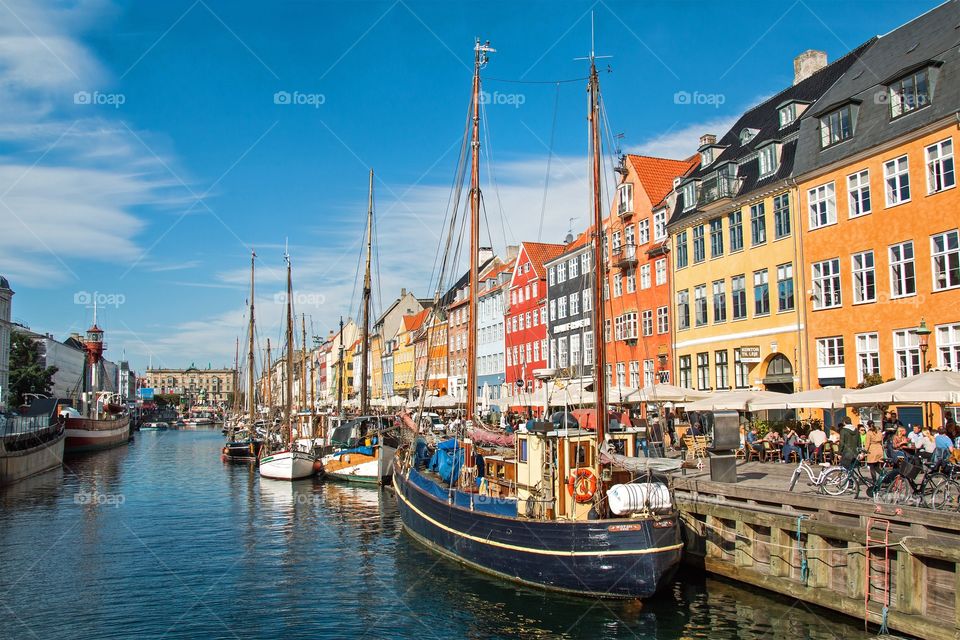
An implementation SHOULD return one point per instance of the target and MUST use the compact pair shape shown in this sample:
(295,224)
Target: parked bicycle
(935,490)
(850,479)
(825,479)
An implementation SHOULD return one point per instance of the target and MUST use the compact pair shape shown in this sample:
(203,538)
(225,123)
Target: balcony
(625,256)
(717,191)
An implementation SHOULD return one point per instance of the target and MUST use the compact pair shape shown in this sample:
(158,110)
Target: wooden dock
(814,548)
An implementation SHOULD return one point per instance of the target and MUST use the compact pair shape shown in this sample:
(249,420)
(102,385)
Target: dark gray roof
(931,37)
(4,283)
(765,120)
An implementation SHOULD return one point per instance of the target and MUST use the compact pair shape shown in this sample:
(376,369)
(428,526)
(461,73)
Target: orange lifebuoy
(582,484)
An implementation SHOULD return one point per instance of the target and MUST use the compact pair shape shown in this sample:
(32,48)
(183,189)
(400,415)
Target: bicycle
(825,481)
(840,480)
(936,490)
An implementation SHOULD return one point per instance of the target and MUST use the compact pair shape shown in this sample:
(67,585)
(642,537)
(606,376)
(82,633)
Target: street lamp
(923,338)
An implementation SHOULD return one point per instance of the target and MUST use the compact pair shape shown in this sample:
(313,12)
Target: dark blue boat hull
(615,558)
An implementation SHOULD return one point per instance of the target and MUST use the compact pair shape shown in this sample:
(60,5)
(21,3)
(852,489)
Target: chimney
(708,139)
(403,293)
(808,63)
(513,250)
(484,254)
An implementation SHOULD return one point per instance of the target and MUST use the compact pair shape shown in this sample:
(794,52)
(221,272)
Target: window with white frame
(768,160)
(585,263)
(574,304)
(626,198)
(562,353)
(586,300)
(945,257)
(553,310)
(551,278)
(643,231)
(836,126)
(903,277)
(864,277)
(646,322)
(660,266)
(700,305)
(721,369)
(660,224)
(684,372)
(787,113)
(785,298)
(683,309)
(781,216)
(909,93)
(948,346)
(561,272)
(663,320)
(631,279)
(575,355)
(587,347)
(553,353)
(630,326)
(830,351)
(868,355)
(617,285)
(738,296)
(689,192)
(648,373)
(616,241)
(628,235)
(719,301)
(573,268)
(940,175)
(761,293)
(826,284)
(703,371)
(622,374)
(858,193)
(533,289)
(561,307)
(634,374)
(699,247)
(896,178)
(536,350)
(716,237)
(645,276)
(741,371)
(608,374)
(906,353)
(822,204)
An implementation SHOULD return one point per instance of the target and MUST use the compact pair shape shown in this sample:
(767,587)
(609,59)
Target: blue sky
(143,152)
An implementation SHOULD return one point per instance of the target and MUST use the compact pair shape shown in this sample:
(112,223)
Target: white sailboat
(289,463)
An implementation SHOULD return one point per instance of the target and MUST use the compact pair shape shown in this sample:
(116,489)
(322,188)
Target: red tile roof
(657,174)
(414,322)
(540,252)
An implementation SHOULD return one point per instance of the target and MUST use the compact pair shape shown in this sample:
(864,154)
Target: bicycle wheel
(929,486)
(946,496)
(795,477)
(836,482)
(895,491)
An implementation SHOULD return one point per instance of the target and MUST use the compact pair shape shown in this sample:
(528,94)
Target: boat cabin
(359,431)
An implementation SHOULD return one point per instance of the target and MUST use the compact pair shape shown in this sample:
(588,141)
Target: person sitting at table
(753,441)
(927,444)
(815,441)
(790,445)
(916,436)
(901,444)
(943,449)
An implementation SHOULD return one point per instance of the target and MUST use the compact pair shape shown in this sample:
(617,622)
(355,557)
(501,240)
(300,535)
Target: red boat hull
(86,434)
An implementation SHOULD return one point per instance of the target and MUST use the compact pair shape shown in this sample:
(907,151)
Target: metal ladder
(876,570)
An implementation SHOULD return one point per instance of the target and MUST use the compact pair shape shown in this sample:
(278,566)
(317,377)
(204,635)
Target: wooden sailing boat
(365,447)
(245,446)
(551,512)
(289,463)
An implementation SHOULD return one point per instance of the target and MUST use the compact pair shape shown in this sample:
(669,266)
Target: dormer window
(706,156)
(910,93)
(768,160)
(788,114)
(836,126)
(747,135)
(689,192)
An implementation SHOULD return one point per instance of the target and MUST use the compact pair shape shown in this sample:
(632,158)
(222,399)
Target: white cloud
(682,142)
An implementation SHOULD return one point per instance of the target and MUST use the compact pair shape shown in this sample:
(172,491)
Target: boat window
(579,455)
(522,456)
(619,447)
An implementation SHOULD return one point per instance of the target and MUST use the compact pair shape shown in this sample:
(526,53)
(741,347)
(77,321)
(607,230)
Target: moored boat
(154,426)
(365,450)
(287,465)
(93,434)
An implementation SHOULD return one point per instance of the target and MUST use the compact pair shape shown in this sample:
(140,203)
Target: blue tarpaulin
(447,460)
(367,451)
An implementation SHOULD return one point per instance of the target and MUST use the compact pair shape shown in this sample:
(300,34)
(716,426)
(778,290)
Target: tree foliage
(27,373)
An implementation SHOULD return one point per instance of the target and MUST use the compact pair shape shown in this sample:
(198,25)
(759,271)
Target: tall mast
(365,335)
(340,372)
(303,362)
(480,59)
(269,369)
(313,390)
(288,400)
(599,266)
(236,369)
(251,396)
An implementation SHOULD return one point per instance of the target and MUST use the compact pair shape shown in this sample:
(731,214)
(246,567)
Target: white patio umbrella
(441,402)
(396,401)
(932,386)
(739,400)
(670,393)
(828,398)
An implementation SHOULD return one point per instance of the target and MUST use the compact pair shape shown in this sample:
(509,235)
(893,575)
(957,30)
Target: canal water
(162,540)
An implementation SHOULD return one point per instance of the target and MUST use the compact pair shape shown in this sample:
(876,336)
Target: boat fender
(582,484)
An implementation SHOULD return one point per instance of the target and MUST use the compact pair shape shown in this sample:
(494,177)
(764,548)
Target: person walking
(874,447)
(849,443)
